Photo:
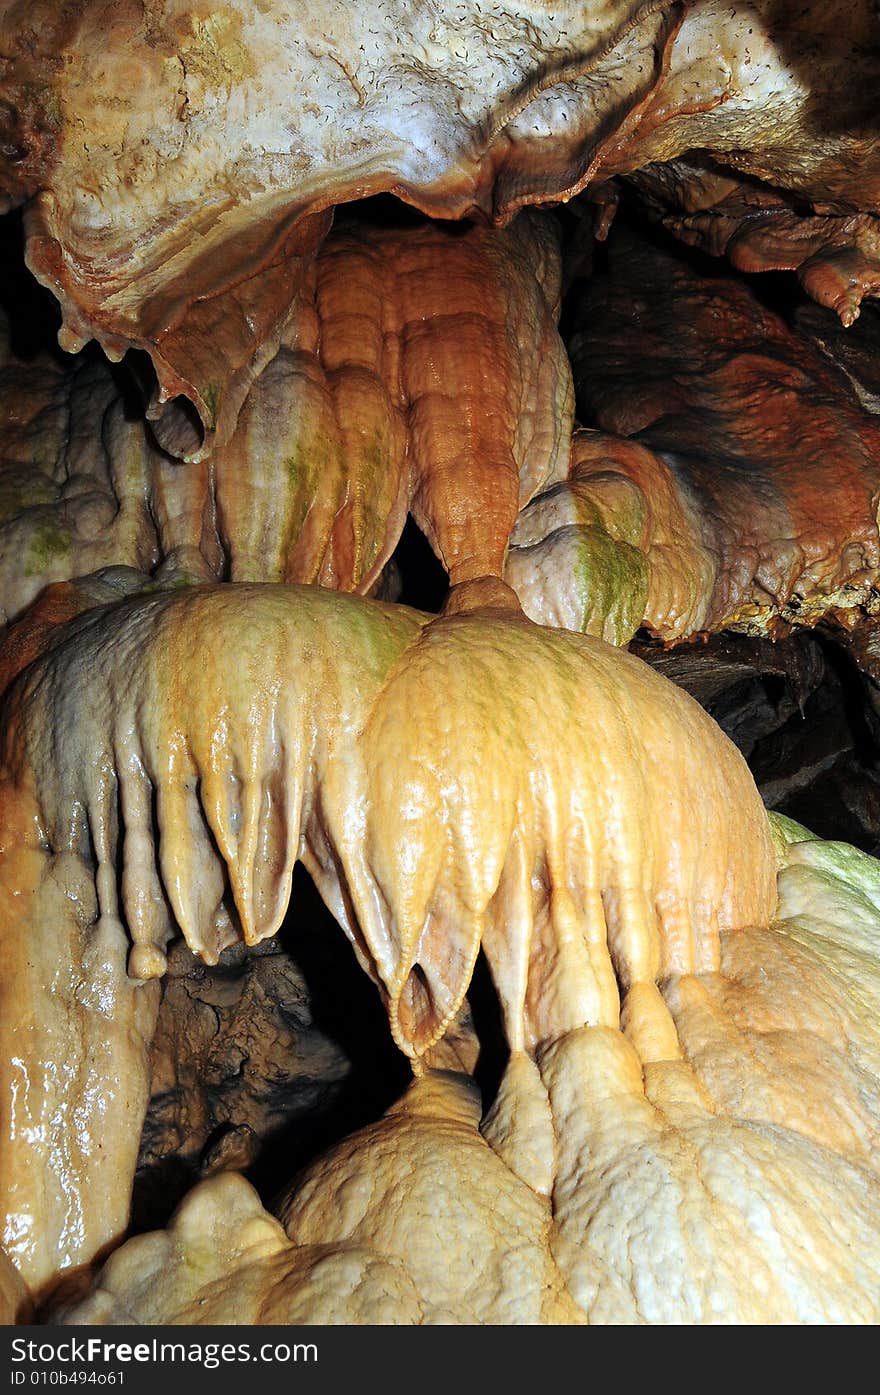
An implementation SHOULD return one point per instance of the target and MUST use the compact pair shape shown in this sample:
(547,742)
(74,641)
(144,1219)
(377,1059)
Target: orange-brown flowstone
(768,446)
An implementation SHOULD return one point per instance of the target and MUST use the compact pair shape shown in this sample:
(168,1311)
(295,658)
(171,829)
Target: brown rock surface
(421,370)
(236,1060)
(835,251)
(752,426)
(390,393)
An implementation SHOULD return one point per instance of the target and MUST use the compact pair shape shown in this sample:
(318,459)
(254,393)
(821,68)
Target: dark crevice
(489,1027)
(341,1071)
(424,583)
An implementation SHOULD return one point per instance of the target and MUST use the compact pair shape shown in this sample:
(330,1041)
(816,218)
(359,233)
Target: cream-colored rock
(412,1221)
(74,1052)
(735,1181)
(567,817)
(213,143)
(422,1184)
(177,166)
(581,818)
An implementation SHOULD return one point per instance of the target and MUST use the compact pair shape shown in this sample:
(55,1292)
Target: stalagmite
(74,1065)
(736,1184)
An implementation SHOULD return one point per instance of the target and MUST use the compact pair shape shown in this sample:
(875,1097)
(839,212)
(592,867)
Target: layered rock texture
(750,428)
(214,143)
(420,371)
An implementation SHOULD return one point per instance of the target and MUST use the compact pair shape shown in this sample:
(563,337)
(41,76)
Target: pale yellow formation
(737,1183)
(553,800)
(75,1031)
(686,1128)
(556,803)
(449,782)
(617,546)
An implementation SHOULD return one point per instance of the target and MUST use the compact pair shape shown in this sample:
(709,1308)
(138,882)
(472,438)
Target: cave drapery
(439,487)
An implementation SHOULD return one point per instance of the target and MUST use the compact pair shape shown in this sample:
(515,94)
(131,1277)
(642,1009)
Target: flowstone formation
(322,563)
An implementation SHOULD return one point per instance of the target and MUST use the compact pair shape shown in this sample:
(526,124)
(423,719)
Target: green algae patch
(211,399)
(611,581)
(49,542)
(784,832)
(842,865)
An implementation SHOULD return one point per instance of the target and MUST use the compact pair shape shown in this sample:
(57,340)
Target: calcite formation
(754,1156)
(205,679)
(616,547)
(835,252)
(548,835)
(744,426)
(420,371)
(214,143)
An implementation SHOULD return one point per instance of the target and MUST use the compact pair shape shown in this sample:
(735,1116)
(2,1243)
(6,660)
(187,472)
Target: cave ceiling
(178,164)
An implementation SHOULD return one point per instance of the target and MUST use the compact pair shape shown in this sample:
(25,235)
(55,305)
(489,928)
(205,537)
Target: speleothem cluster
(209,674)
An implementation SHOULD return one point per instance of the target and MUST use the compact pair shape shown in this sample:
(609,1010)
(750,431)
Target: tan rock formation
(149,752)
(686,1127)
(618,546)
(179,165)
(421,370)
(74,1052)
(737,1183)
